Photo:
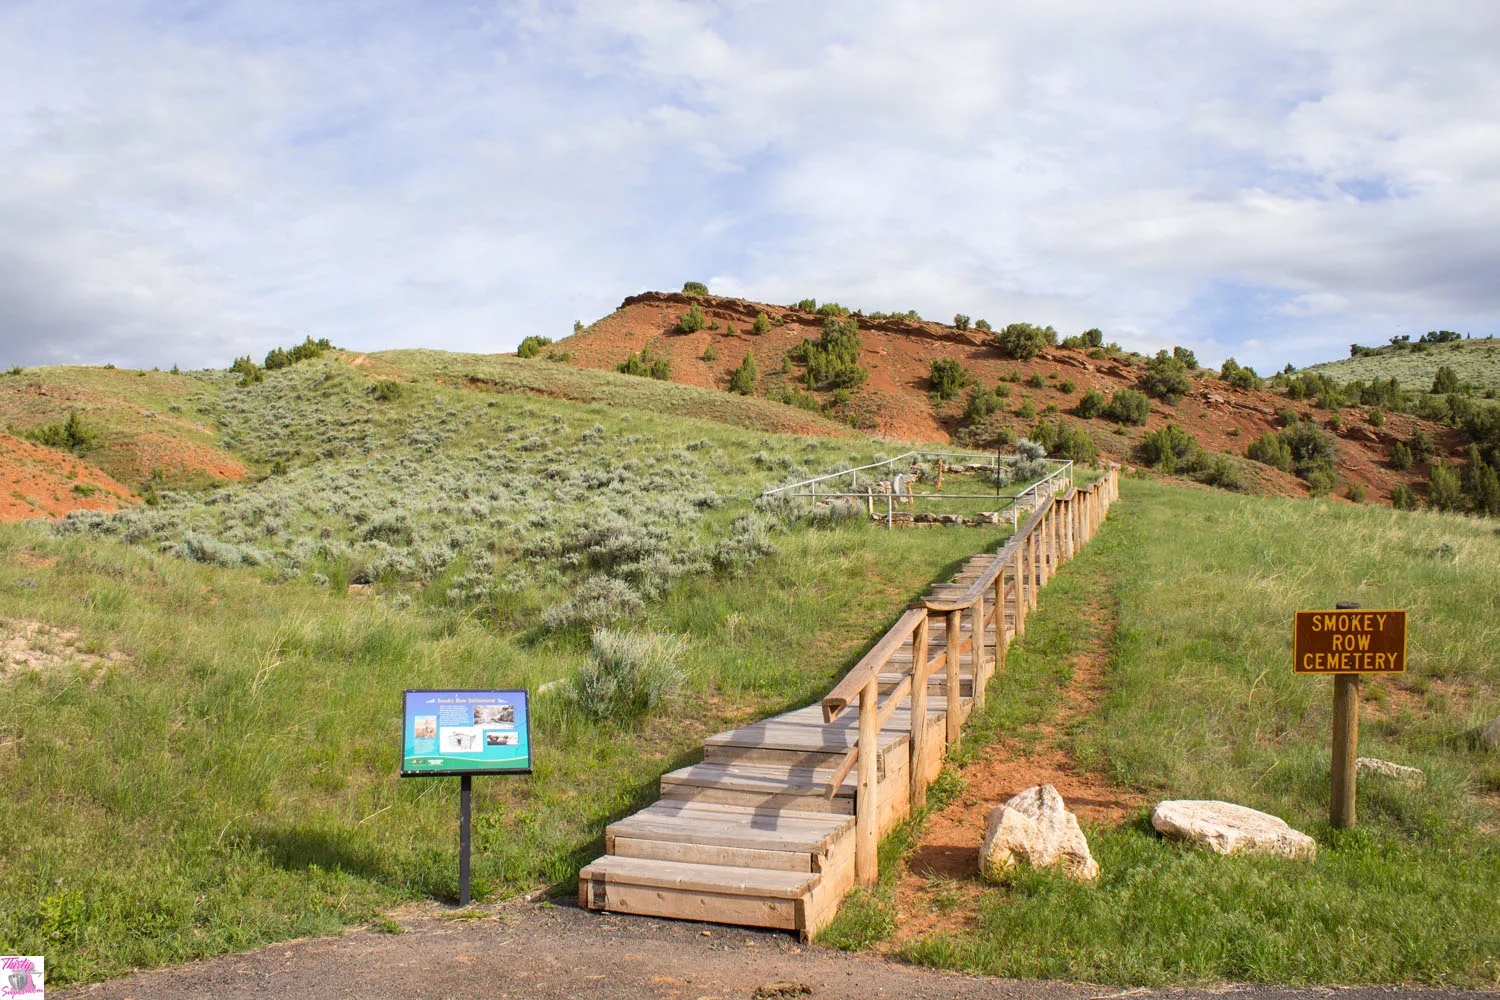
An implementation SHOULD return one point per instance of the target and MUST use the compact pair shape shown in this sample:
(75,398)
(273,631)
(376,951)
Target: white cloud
(1269,181)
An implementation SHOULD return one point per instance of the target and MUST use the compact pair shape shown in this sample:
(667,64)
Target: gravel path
(536,950)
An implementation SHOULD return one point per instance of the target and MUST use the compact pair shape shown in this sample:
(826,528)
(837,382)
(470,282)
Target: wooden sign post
(1348,642)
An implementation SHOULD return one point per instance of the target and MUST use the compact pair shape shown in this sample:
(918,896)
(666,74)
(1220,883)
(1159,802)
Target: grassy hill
(202,690)
(1416,365)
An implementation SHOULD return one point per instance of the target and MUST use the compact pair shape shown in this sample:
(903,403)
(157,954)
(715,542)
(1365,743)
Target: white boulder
(1034,827)
(1376,767)
(1226,828)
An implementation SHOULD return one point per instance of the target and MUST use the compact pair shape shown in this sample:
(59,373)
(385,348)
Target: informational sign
(466,732)
(1350,642)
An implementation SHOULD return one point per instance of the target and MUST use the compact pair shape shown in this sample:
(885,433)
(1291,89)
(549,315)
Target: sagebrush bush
(647,364)
(626,674)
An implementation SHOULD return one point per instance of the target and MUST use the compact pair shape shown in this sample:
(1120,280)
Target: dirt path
(549,953)
(939,888)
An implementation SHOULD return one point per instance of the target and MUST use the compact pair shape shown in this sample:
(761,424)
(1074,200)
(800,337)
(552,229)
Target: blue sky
(181,183)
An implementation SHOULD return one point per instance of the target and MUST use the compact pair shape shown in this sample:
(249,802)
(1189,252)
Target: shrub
(1036,381)
(598,601)
(1127,406)
(1093,337)
(1166,378)
(1026,410)
(1356,492)
(982,324)
(1420,444)
(832,309)
(248,371)
(948,376)
(578,326)
(834,358)
(792,396)
(691,321)
(1268,449)
(1172,449)
(1402,498)
(1446,381)
(694,288)
(1321,481)
(1024,340)
(744,378)
(628,674)
(1399,457)
(761,325)
(532,346)
(709,354)
(1239,376)
(1090,405)
(1066,385)
(961,321)
(1065,441)
(647,364)
(387,390)
(1376,417)
(981,403)
(1443,489)
(807,305)
(1188,358)
(70,435)
(1224,472)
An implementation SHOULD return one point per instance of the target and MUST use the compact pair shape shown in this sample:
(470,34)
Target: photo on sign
(459,739)
(500,714)
(424,727)
(502,739)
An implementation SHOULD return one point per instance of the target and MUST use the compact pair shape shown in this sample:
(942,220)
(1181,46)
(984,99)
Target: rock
(1386,769)
(1226,828)
(951,519)
(1035,828)
(1489,738)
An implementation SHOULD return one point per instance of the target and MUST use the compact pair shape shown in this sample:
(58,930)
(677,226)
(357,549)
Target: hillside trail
(539,951)
(939,885)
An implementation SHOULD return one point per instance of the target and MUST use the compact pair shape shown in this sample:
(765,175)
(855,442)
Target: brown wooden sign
(1350,642)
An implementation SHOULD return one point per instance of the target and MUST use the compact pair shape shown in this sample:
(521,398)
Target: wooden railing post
(866,815)
(919,717)
(1018,578)
(976,662)
(950,667)
(1033,570)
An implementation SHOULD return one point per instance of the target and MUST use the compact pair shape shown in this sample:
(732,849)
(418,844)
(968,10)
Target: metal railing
(1060,478)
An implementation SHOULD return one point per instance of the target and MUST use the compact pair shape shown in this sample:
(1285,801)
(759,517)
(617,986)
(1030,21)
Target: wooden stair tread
(744,827)
(766,778)
(722,879)
(831,739)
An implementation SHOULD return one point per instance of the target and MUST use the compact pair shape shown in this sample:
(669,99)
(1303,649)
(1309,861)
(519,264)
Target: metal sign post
(463,733)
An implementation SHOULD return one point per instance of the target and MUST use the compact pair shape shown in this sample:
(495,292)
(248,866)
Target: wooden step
(737,836)
(764,785)
(724,894)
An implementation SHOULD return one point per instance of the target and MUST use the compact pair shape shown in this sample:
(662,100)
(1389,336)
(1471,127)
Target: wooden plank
(869,665)
(709,854)
(755,777)
(807,801)
(779,914)
(701,878)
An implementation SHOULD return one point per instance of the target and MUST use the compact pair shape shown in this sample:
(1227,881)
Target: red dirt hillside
(897,401)
(44,482)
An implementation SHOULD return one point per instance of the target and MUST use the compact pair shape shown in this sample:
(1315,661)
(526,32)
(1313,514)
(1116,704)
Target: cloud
(1269,182)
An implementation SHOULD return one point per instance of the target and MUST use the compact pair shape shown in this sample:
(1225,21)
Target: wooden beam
(866,811)
(919,717)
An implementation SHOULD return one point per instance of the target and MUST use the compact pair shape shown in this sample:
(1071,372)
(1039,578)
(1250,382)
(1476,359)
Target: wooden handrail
(997,565)
(846,690)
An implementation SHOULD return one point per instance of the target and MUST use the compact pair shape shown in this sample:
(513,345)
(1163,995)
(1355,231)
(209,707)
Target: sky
(182,183)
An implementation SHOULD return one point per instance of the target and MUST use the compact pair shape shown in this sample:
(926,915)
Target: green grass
(1202,703)
(1476,361)
(231,779)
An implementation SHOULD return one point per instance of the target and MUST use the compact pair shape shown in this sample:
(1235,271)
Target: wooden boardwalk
(783,816)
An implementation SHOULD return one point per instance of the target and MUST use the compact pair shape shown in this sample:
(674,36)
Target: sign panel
(1350,642)
(466,732)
